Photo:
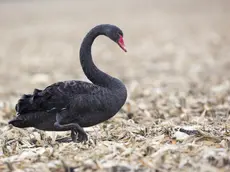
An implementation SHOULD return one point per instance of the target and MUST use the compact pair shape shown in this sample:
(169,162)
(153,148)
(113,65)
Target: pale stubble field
(176,71)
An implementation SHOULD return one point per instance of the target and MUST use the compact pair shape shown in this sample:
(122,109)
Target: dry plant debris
(176,70)
(158,135)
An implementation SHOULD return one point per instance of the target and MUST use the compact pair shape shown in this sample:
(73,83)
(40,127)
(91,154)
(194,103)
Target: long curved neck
(94,74)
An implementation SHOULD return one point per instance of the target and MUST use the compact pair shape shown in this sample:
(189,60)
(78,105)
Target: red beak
(121,43)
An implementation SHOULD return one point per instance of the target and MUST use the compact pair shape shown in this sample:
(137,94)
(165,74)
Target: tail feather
(17,122)
(40,120)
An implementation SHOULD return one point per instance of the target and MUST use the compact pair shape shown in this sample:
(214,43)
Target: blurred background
(170,43)
(177,71)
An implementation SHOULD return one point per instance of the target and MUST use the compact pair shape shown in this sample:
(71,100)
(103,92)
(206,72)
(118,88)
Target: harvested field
(177,72)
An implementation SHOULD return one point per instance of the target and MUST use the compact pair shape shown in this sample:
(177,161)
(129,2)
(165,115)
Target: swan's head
(115,34)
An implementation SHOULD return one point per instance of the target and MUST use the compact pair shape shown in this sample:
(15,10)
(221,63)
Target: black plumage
(71,105)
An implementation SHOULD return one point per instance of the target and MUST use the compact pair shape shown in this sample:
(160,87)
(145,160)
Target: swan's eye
(120,34)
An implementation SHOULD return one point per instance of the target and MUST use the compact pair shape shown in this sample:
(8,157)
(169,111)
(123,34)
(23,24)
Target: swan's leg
(73,135)
(74,127)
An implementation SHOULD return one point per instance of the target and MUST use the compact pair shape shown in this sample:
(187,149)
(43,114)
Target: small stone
(180,136)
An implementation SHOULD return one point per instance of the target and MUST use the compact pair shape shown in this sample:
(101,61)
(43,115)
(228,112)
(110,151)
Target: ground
(177,72)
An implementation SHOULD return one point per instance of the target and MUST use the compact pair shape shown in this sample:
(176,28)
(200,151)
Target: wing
(55,97)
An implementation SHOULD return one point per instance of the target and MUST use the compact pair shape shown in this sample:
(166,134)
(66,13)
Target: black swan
(72,105)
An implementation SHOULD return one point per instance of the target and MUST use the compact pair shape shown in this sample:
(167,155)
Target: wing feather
(55,97)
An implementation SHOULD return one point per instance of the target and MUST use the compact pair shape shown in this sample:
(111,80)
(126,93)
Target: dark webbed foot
(77,132)
(79,136)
